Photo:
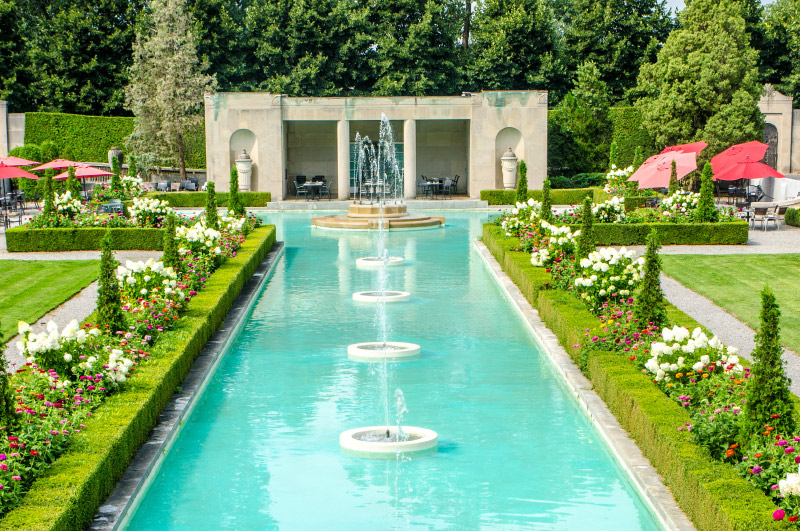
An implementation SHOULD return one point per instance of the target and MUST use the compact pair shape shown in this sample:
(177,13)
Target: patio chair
(423,187)
(163,187)
(9,218)
(447,188)
(175,187)
(759,214)
(300,189)
(771,215)
(455,184)
(190,186)
(325,189)
(318,179)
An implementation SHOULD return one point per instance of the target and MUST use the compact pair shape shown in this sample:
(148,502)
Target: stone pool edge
(115,508)
(627,453)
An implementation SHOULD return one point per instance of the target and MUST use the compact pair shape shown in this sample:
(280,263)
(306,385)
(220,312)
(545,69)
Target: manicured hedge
(23,239)
(728,233)
(563,196)
(629,134)
(632,203)
(712,495)
(67,496)
(90,137)
(793,217)
(198,199)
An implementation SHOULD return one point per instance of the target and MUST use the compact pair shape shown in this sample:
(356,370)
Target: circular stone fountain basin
(381,296)
(372,442)
(380,351)
(377,261)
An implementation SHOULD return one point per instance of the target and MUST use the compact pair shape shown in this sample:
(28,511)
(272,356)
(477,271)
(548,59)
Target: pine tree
(109,305)
(211,206)
(767,390)
(649,300)
(170,255)
(613,157)
(547,205)
(73,185)
(673,179)
(49,208)
(116,181)
(167,83)
(522,182)
(706,210)
(586,241)
(235,202)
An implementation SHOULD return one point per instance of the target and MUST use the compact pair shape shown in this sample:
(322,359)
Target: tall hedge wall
(90,137)
(628,133)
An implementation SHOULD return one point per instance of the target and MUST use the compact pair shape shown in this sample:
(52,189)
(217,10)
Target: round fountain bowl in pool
(380,351)
(377,261)
(374,216)
(372,441)
(381,296)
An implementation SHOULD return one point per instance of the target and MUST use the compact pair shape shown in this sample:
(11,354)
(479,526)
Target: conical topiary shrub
(522,182)
(649,304)
(586,241)
(706,210)
(170,255)
(212,219)
(109,304)
(235,201)
(547,204)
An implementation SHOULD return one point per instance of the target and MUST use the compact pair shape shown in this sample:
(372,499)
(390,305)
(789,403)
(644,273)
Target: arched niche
(509,137)
(244,139)
(771,140)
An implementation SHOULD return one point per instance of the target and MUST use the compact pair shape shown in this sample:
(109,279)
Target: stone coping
(112,514)
(628,455)
(412,204)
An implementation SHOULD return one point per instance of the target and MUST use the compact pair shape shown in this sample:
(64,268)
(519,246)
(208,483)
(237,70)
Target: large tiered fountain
(388,440)
(379,182)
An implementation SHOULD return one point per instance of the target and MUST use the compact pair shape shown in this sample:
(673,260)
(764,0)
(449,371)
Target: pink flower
(778,515)
(16,478)
(789,450)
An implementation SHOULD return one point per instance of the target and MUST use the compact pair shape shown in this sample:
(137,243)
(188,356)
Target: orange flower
(734,445)
(758,455)
(729,452)
(679,375)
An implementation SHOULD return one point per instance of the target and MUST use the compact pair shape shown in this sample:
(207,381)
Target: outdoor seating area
(313,189)
(189,185)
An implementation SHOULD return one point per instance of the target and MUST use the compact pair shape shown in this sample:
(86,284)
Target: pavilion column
(410,158)
(343,158)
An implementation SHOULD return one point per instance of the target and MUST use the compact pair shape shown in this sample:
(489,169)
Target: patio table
(314,188)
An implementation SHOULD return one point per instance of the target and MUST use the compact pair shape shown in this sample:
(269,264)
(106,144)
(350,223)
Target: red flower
(34,452)
(793,519)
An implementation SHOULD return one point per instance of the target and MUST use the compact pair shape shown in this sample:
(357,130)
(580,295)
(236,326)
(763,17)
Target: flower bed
(711,492)
(67,494)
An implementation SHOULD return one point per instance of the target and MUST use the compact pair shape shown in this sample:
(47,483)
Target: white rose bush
(147,212)
(607,275)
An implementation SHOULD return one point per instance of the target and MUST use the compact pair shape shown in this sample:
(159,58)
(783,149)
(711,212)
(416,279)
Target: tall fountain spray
(385,441)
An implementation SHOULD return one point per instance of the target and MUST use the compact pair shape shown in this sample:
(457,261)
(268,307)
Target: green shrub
(632,203)
(711,494)
(522,182)
(673,179)
(579,180)
(109,303)
(586,244)
(567,196)
(649,307)
(90,137)
(706,210)
(628,134)
(212,219)
(170,256)
(547,202)
(68,494)
(22,239)
(48,199)
(724,233)
(198,199)
(234,202)
(792,217)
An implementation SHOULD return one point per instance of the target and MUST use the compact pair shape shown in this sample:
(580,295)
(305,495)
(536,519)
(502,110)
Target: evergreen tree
(211,206)
(705,83)
(638,157)
(167,83)
(767,390)
(516,46)
(781,52)
(116,181)
(12,56)
(73,185)
(170,255)
(613,156)
(706,209)
(619,36)
(649,301)
(547,205)
(8,415)
(586,240)
(522,182)
(673,179)
(48,199)
(580,122)
(109,305)
(234,201)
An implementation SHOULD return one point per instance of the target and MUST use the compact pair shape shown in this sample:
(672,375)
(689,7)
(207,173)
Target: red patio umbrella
(655,172)
(694,147)
(747,169)
(58,164)
(12,172)
(82,171)
(16,161)
(754,151)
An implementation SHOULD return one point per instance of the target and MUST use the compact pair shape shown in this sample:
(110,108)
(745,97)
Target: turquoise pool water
(261,449)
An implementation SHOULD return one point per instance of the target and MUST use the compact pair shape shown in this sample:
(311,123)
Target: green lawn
(30,289)
(735,283)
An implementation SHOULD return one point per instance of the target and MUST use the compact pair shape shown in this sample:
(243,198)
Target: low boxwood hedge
(563,196)
(198,199)
(792,217)
(712,495)
(68,494)
(24,239)
(727,233)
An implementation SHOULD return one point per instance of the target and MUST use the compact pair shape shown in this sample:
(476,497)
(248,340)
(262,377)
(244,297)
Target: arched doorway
(509,137)
(244,139)
(771,140)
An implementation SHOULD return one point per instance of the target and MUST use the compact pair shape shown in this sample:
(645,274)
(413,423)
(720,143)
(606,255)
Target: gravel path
(783,241)
(727,327)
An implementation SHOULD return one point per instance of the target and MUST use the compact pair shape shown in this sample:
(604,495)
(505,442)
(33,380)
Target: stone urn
(508,163)
(115,153)
(244,167)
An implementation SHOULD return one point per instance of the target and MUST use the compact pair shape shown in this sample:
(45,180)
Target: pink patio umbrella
(58,164)
(747,169)
(655,172)
(754,151)
(694,147)
(16,161)
(83,171)
(12,172)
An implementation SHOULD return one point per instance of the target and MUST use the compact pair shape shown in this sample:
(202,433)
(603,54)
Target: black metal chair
(9,218)
(447,188)
(318,179)
(325,189)
(162,187)
(300,189)
(455,184)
